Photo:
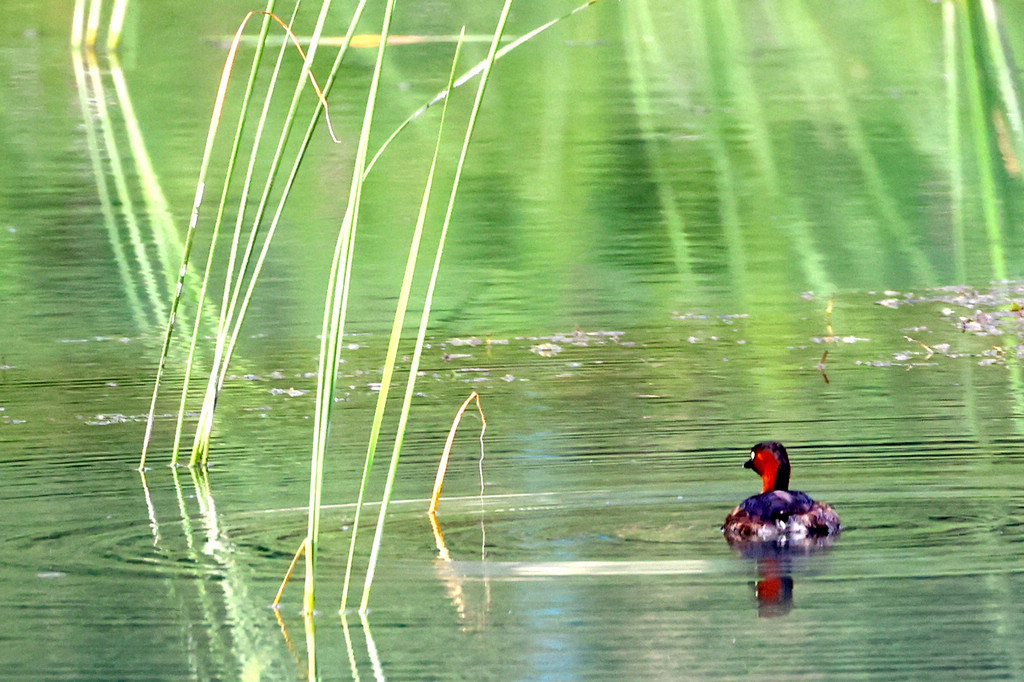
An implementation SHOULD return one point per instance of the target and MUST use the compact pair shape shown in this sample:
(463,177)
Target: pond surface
(684,227)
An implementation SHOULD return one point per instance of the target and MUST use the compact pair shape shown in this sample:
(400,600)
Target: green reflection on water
(680,173)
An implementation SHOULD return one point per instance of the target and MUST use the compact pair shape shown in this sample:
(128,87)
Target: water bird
(778,514)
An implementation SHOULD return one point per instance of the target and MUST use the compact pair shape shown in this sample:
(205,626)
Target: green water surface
(671,211)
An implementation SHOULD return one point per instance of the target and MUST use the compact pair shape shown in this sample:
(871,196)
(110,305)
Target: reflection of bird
(778,513)
(774,590)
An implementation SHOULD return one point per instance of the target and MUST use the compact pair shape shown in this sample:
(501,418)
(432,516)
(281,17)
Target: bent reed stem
(442,465)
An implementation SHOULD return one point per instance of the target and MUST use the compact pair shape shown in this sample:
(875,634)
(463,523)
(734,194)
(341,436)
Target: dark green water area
(684,226)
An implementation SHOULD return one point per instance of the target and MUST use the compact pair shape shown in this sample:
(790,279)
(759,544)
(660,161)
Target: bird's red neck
(772,463)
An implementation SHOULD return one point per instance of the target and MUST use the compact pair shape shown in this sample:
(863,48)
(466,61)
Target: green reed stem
(222,354)
(218,221)
(92,23)
(201,448)
(233,281)
(236,310)
(231,293)
(321,107)
(116,24)
(186,253)
(334,317)
(330,348)
(77,24)
(425,316)
(396,334)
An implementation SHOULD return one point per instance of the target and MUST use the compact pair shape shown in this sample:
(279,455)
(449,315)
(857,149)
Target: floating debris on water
(290,392)
(998,312)
(105,419)
(838,339)
(727,318)
(546,350)
(476,341)
(471,341)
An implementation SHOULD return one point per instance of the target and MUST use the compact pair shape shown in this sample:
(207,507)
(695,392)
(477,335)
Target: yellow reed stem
(442,466)
(288,574)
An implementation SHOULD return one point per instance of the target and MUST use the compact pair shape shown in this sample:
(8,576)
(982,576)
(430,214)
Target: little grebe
(778,513)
